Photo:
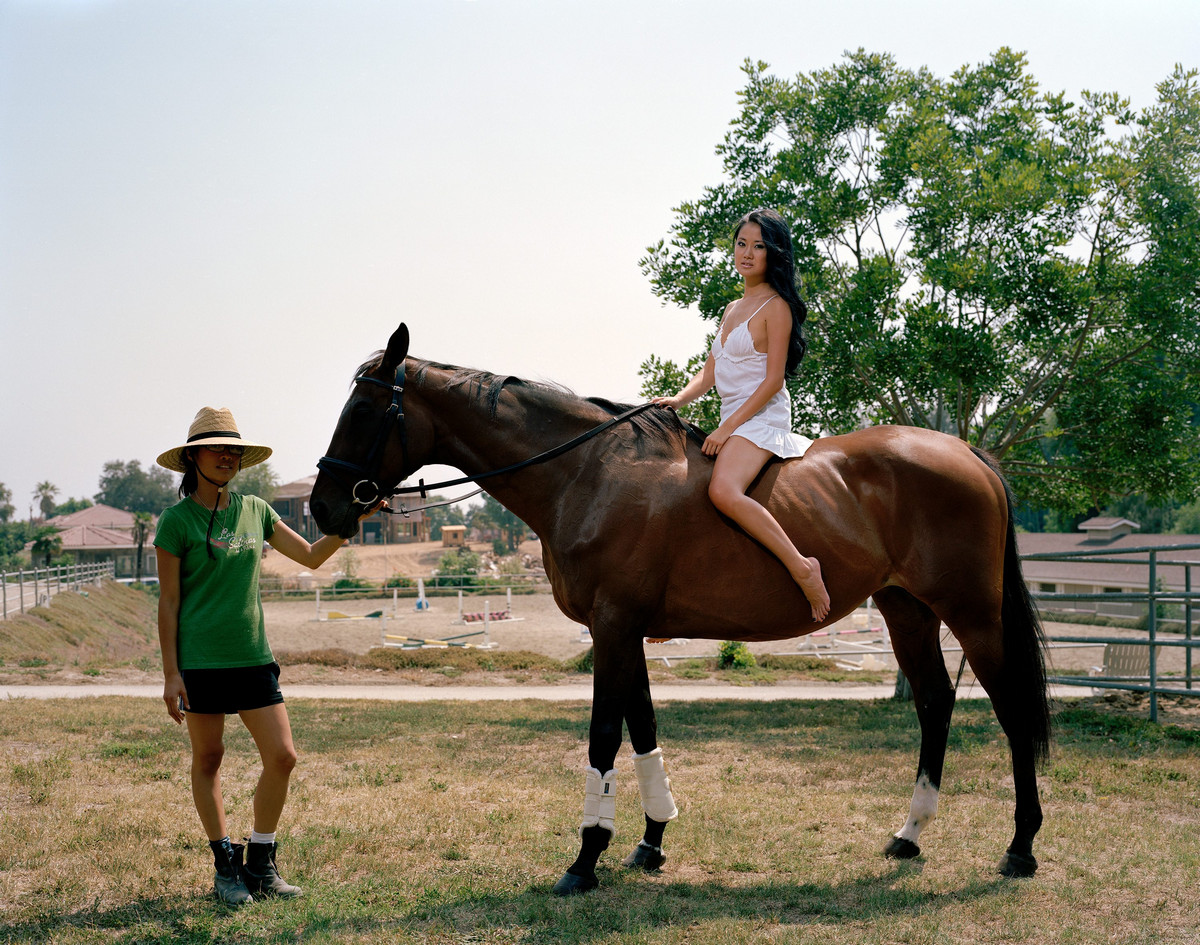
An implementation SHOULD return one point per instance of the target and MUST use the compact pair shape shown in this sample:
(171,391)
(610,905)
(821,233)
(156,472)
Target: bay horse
(634,548)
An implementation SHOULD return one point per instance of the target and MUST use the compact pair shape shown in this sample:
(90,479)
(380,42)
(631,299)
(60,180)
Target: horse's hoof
(901,849)
(645,857)
(572,885)
(1018,865)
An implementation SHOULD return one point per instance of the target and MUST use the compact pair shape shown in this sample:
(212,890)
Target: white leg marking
(922,810)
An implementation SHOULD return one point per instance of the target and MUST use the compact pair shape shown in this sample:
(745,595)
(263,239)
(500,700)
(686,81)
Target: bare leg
(207,736)
(272,733)
(736,466)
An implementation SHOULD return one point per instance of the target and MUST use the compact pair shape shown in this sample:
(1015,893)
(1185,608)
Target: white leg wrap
(600,800)
(922,810)
(655,786)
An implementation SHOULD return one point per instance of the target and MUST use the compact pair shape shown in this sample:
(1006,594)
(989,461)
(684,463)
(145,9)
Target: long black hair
(781,276)
(191,478)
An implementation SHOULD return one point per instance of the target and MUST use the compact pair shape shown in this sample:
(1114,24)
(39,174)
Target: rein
(395,413)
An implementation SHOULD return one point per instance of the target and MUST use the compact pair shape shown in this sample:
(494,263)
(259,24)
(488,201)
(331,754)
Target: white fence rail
(24,590)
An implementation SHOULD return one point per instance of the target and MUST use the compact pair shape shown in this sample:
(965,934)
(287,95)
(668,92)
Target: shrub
(734,655)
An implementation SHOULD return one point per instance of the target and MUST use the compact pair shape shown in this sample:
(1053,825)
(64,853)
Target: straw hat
(214,426)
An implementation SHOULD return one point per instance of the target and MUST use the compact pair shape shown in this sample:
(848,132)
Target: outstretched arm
(312,555)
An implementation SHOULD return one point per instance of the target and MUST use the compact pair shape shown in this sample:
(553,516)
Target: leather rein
(394,414)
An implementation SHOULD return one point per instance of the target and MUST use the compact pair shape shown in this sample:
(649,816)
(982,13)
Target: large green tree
(125,485)
(259,480)
(979,257)
(493,515)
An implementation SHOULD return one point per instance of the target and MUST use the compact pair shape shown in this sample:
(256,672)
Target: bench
(1126,661)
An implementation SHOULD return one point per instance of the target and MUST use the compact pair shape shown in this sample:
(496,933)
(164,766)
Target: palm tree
(47,542)
(141,530)
(45,492)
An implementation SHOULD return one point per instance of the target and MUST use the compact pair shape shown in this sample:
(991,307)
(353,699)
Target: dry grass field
(448,823)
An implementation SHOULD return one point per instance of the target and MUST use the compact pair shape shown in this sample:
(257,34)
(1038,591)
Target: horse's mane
(653,427)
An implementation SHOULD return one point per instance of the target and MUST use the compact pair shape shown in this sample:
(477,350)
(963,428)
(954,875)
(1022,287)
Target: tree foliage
(978,257)
(45,492)
(259,480)
(493,515)
(127,486)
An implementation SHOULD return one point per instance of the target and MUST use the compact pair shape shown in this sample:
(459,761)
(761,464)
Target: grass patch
(448,822)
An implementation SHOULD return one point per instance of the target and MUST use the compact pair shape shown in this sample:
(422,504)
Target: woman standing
(216,659)
(759,343)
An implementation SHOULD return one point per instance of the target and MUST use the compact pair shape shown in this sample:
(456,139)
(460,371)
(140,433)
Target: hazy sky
(233,202)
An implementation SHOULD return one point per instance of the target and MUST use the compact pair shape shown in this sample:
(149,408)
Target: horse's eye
(361,411)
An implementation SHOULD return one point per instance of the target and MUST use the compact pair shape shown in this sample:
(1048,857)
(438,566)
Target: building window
(1047,588)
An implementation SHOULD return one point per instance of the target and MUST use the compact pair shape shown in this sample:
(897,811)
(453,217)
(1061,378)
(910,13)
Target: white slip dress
(739,369)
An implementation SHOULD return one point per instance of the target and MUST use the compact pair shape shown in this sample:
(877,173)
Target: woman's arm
(168,632)
(700,384)
(312,555)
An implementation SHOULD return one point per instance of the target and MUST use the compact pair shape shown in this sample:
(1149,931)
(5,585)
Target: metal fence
(1168,619)
(24,590)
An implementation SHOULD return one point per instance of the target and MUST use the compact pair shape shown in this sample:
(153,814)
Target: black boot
(228,884)
(262,878)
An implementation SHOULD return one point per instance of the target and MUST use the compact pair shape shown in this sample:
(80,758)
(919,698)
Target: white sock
(256,837)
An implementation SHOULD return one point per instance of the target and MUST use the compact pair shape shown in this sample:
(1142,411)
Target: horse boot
(228,884)
(262,878)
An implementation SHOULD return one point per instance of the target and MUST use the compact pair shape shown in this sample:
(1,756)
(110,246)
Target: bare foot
(814,589)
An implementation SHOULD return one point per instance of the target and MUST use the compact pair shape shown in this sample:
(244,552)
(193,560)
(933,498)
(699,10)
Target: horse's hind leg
(1012,708)
(913,629)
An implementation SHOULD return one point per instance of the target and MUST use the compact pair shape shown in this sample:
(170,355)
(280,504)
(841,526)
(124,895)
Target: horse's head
(371,450)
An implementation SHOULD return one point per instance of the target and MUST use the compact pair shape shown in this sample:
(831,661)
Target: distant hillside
(110,622)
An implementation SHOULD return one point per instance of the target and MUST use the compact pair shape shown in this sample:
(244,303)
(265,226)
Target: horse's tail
(1024,638)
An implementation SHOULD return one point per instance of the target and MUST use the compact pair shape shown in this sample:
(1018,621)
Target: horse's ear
(397,346)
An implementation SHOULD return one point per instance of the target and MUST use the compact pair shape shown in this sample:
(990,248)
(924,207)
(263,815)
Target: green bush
(458,568)
(734,655)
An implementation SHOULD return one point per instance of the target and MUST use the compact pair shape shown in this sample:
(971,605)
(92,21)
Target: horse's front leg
(654,786)
(616,661)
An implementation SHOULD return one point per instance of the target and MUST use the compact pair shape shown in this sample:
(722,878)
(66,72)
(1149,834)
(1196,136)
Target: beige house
(1113,569)
(101,533)
(291,502)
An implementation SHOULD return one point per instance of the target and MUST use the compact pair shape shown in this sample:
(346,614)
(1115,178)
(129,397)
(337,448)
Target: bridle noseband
(369,471)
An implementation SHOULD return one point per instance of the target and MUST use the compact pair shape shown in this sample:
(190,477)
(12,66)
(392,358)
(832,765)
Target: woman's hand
(173,692)
(672,402)
(378,506)
(714,441)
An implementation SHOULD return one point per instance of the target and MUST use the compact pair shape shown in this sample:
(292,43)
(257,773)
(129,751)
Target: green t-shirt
(220,613)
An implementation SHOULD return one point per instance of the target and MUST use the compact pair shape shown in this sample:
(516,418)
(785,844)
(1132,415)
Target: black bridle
(369,471)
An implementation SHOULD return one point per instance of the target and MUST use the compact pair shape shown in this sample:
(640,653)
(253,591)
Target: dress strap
(722,334)
(760,308)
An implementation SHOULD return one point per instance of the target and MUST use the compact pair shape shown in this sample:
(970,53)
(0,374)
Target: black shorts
(228,691)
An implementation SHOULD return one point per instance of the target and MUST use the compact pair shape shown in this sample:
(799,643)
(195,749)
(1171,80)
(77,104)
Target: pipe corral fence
(28,589)
(1168,615)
